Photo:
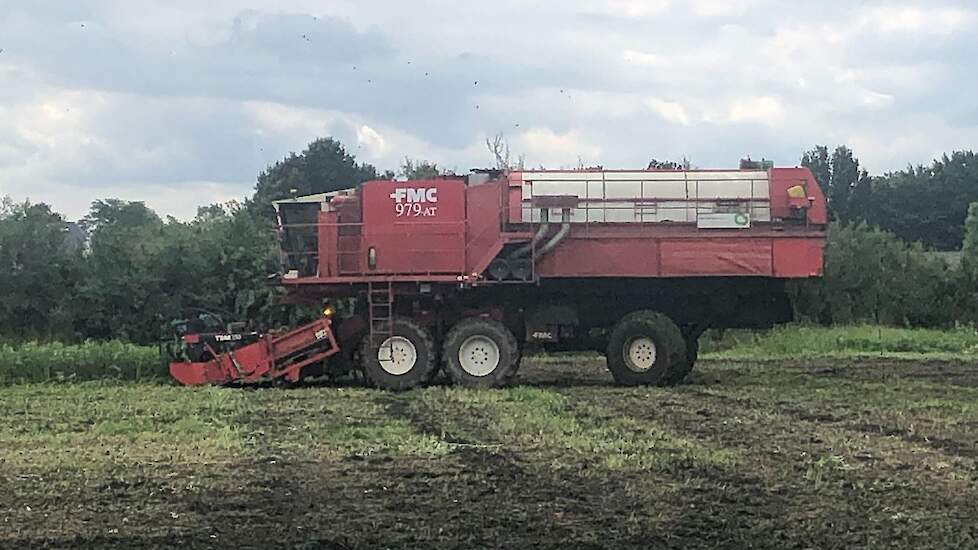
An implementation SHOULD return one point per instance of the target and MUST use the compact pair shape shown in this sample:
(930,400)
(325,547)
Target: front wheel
(404,360)
(645,347)
(480,353)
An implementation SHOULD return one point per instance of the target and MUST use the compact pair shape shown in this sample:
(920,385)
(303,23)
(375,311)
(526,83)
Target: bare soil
(861,453)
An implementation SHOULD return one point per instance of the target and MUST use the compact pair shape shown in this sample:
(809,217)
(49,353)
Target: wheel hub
(640,354)
(397,355)
(478,355)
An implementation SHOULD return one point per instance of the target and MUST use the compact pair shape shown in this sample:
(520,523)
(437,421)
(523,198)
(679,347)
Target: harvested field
(820,453)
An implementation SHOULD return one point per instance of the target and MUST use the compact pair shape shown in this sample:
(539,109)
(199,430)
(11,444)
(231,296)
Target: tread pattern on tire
(680,373)
(669,342)
(508,351)
(421,374)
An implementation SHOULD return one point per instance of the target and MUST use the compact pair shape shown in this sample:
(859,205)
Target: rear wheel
(480,353)
(403,361)
(644,348)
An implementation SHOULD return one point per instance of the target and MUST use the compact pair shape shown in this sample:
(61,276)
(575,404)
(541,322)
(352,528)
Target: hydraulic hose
(565,226)
(526,249)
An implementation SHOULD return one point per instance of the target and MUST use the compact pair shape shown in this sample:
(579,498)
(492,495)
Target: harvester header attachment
(219,358)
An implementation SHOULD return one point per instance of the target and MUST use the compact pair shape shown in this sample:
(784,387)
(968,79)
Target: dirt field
(817,454)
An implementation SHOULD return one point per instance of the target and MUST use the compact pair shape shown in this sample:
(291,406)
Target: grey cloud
(321,62)
(174,109)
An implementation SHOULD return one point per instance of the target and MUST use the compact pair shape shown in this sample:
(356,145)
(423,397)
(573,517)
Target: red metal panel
(601,257)
(328,239)
(515,197)
(415,226)
(798,257)
(252,361)
(485,206)
(716,256)
(298,339)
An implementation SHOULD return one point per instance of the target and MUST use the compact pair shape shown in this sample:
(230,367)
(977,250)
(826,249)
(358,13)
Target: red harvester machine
(458,273)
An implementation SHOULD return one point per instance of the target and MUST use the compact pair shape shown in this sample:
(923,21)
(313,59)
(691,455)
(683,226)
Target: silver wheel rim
(640,354)
(397,355)
(478,355)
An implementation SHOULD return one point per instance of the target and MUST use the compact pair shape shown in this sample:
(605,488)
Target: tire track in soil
(246,504)
(813,510)
(604,499)
(952,372)
(535,509)
(953,449)
(718,508)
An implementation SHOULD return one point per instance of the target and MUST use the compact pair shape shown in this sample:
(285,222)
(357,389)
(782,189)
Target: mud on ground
(807,454)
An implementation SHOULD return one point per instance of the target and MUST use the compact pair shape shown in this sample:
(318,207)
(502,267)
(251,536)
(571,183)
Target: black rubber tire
(669,344)
(692,351)
(509,356)
(424,368)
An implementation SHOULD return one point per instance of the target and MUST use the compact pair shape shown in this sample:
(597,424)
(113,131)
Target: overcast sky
(181,103)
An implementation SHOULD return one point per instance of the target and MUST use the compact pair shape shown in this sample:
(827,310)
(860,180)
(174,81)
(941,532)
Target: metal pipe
(540,234)
(565,226)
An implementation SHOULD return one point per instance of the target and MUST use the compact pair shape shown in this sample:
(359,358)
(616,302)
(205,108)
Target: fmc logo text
(415,194)
(412,202)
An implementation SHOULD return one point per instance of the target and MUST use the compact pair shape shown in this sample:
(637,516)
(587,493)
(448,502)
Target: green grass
(813,341)
(95,424)
(36,362)
(570,432)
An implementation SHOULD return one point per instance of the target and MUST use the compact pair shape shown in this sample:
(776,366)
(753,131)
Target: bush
(871,276)
(34,362)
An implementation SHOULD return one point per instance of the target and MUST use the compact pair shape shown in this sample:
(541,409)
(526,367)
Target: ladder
(380,314)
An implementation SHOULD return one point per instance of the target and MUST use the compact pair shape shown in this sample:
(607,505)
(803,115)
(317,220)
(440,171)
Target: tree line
(133,271)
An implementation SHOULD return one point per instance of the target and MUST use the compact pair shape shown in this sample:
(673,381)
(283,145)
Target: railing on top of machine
(646,210)
(679,199)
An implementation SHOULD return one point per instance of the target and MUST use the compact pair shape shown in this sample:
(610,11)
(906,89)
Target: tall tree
(323,166)
(817,160)
(928,203)
(38,272)
(123,290)
(240,252)
(846,187)
(419,170)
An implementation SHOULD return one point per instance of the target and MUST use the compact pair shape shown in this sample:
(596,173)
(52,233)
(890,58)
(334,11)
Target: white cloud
(721,8)
(907,19)
(893,148)
(543,146)
(277,118)
(630,8)
(372,140)
(876,99)
(671,111)
(765,110)
(644,58)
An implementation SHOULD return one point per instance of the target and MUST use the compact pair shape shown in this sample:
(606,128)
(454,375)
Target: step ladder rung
(380,313)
